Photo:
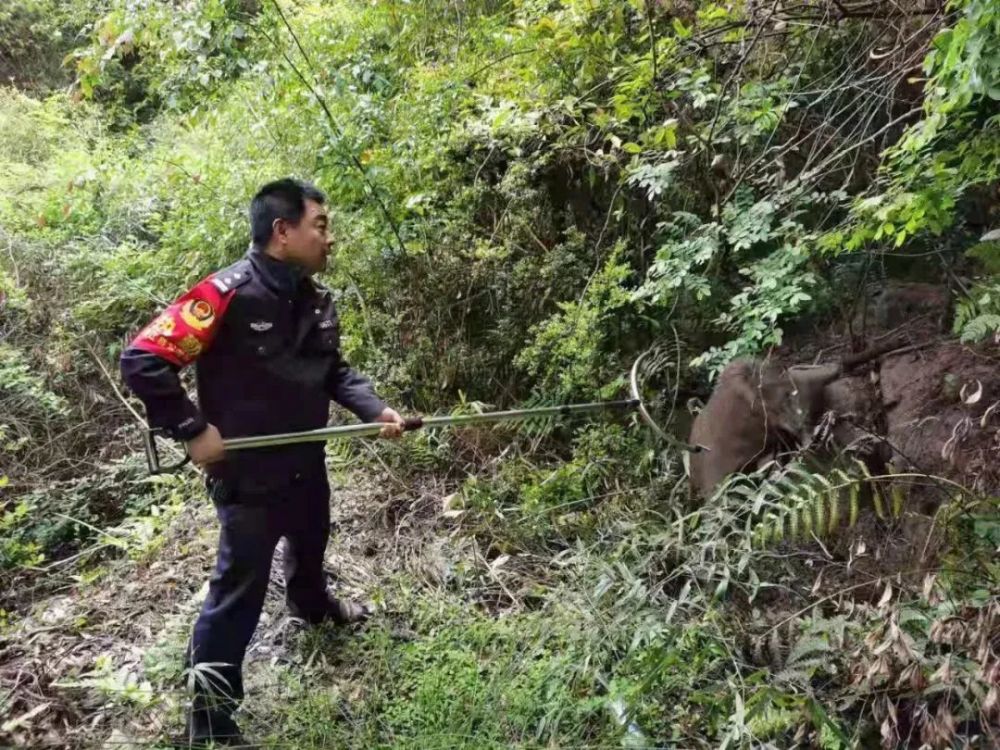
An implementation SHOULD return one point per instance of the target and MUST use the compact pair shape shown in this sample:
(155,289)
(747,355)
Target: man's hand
(207,448)
(394,423)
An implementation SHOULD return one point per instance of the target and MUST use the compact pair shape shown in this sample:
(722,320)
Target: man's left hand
(394,424)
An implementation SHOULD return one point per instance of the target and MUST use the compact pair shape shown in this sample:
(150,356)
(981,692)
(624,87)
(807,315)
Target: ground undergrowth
(615,618)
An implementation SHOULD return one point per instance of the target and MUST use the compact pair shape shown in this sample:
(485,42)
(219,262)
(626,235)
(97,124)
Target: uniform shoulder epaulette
(234,276)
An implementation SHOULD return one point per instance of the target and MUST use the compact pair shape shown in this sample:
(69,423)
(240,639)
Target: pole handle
(153,456)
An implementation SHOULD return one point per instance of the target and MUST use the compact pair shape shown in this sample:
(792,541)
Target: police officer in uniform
(267,343)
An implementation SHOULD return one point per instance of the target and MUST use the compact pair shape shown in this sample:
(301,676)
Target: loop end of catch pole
(637,398)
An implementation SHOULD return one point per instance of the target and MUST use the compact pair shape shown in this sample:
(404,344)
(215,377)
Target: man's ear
(279,229)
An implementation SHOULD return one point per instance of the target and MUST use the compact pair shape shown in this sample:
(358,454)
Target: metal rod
(373,428)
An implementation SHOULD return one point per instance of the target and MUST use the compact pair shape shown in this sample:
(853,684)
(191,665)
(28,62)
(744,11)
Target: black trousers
(252,520)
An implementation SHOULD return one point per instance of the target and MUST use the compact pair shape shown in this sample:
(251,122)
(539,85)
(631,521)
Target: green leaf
(943,40)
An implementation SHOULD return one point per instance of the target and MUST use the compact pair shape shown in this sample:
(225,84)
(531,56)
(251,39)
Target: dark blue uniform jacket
(266,341)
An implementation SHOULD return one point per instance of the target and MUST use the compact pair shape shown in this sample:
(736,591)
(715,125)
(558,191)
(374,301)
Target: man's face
(308,243)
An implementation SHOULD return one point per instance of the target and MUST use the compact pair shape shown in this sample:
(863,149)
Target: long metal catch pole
(373,428)
(461,420)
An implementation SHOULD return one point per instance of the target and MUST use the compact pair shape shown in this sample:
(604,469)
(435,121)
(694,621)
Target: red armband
(187,327)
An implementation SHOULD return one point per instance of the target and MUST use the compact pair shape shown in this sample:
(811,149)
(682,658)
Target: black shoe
(186,742)
(337,611)
(207,729)
(235,741)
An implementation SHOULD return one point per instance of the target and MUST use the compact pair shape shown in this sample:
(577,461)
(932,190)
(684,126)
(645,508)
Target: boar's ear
(744,379)
(809,382)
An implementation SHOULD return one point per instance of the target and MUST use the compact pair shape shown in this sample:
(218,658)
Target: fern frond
(798,504)
(877,502)
(807,646)
(898,497)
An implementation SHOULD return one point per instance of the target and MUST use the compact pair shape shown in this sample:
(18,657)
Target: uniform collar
(282,277)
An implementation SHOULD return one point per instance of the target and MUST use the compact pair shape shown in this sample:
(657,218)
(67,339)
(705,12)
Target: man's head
(289,222)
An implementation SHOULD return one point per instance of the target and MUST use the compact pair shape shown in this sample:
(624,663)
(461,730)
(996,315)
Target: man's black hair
(281,199)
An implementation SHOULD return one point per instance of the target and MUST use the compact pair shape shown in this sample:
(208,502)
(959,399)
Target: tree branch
(338,131)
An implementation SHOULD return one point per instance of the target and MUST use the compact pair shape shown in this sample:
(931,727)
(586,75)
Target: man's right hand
(207,448)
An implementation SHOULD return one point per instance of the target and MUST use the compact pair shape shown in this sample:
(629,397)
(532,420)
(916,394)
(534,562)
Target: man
(267,344)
